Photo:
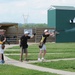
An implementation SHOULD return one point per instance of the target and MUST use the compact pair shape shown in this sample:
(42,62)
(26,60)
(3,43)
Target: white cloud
(13,6)
(20,4)
(35,8)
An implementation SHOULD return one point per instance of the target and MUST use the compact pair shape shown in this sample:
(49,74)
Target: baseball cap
(26,32)
(45,30)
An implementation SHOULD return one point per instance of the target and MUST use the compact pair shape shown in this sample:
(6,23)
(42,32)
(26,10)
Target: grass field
(54,51)
(13,70)
(63,65)
(34,56)
(51,48)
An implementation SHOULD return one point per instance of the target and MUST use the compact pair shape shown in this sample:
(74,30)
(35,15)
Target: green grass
(15,47)
(51,48)
(68,65)
(60,50)
(34,56)
(36,50)
(13,70)
(51,45)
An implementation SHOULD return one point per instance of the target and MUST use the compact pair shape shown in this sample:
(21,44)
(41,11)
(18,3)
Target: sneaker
(3,61)
(42,59)
(39,59)
(0,61)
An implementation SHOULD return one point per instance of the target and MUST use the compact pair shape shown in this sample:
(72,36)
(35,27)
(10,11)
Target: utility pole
(25,17)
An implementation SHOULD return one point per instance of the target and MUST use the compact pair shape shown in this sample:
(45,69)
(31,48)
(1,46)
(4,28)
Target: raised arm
(4,40)
(33,35)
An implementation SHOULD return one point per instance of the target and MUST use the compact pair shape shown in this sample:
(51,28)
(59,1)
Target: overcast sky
(34,11)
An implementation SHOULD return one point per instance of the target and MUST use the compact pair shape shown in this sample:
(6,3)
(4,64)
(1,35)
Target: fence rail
(39,31)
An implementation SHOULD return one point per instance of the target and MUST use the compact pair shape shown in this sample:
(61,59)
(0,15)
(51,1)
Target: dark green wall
(62,24)
(52,18)
(63,17)
(59,19)
(66,37)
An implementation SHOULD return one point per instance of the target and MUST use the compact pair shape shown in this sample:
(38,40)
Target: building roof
(62,7)
(7,25)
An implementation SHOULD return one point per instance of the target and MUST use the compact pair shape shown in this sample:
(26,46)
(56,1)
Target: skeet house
(11,37)
(62,19)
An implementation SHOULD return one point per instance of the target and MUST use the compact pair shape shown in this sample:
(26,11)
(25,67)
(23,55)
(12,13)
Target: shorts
(1,50)
(24,50)
(24,46)
(43,47)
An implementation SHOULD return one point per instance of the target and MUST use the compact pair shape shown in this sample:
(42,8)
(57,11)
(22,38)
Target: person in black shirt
(42,45)
(2,45)
(24,45)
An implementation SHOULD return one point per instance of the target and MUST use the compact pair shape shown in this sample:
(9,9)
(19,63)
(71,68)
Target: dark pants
(2,57)
(24,50)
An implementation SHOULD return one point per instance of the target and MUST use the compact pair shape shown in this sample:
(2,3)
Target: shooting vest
(2,38)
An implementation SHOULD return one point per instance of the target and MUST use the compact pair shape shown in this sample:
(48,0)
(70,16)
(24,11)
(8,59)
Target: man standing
(24,45)
(42,45)
(2,45)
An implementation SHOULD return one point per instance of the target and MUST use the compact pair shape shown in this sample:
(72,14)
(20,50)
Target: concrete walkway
(30,66)
(34,61)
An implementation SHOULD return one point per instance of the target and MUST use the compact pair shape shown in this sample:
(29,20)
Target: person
(24,45)
(42,45)
(2,45)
